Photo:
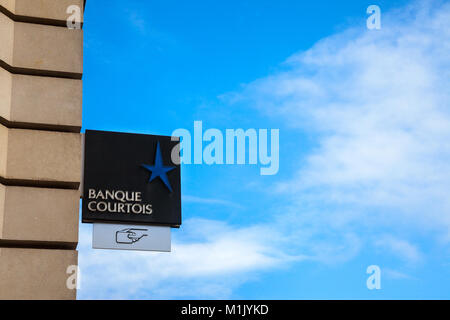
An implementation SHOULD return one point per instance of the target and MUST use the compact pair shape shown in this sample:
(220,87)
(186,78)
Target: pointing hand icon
(130,236)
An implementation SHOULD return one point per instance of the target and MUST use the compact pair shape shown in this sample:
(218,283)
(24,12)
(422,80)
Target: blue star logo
(159,170)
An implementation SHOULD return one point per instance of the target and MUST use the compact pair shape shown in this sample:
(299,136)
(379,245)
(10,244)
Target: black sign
(131,178)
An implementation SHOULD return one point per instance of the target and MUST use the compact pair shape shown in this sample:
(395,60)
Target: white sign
(128,237)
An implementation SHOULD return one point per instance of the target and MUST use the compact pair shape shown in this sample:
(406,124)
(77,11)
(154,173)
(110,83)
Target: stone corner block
(41,101)
(41,49)
(40,158)
(39,216)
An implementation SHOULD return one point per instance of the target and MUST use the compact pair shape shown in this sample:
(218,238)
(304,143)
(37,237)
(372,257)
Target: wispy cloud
(211,201)
(141,23)
(395,275)
(399,247)
(138,21)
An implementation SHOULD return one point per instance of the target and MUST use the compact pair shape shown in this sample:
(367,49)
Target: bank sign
(131,179)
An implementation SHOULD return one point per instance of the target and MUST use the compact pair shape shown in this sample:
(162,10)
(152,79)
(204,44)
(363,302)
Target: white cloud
(395,275)
(209,259)
(377,103)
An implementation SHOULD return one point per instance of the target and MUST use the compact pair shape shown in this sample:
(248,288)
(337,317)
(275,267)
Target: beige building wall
(41,67)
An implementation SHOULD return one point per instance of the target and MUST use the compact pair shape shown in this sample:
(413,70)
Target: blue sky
(364,123)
